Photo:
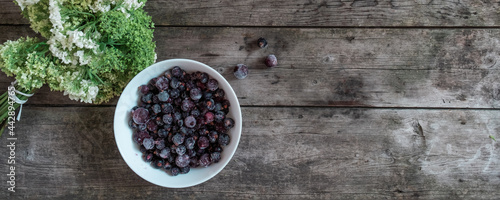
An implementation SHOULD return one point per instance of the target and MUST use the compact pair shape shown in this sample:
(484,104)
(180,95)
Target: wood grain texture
(309,13)
(352,111)
(456,68)
(284,153)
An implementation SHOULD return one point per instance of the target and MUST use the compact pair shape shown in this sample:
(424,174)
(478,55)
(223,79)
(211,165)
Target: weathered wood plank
(284,153)
(338,67)
(309,13)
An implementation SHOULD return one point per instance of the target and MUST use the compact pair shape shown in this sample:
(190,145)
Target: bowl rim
(164,66)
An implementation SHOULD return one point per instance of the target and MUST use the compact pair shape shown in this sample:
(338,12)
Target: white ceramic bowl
(130,150)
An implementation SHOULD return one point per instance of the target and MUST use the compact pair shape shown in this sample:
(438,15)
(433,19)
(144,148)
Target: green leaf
(493,138)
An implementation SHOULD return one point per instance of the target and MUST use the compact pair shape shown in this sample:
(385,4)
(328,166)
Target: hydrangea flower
(92,48)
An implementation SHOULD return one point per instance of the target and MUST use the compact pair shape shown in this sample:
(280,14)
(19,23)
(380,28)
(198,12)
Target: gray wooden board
(284,153)
(337,67)
(309,13)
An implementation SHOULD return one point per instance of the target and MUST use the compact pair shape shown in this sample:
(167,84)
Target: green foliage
(92,48)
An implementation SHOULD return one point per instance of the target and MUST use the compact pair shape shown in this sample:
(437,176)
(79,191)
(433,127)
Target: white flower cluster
(69,45)
(101,6)
(24,3)
(75,47)
(125,6)
(79,54)
(87,92)
(129,5)
(63,42)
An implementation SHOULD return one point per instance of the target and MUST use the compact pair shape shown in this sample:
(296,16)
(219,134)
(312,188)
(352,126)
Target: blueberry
(175,93)
(162,133)
(190,85)
(160,143)
(163,96)
(183,130)
(167,127)
(148,157)
(171,159)
(175,171)
(167,166)
(191,153)
(179,122)
(181,150)
(217,149)
(196,76)
(142,127)
(271,61)
(140,115)
(207,95)
(215,157)
(153,81)
(165,153)
(225,105)
(144,89)
(174,83)
(210,104)
(228,123)
(203,142)
(152,126)
(219,116)
(190,142)
(161,84)
(190,121)
(212,84)
(209,117)
(203,132)
(224,139)
(147,98)
(240,71)
(167,108)
(195,94)
(182,160)
(158,163)
(187,105)
(177,116)
(143,149)
(262,42)
(155,99)
(178,139)
(219,94)
(139,136)
(167,119)
(195,112)
(133,125)
(219,127)
(185,170)
(204,77)
(156,108)
(193,162)
(148,143)
(213,136)
(177,72)
(182,88)
(205,160)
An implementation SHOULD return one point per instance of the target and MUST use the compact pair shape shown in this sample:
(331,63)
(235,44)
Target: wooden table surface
(388,99)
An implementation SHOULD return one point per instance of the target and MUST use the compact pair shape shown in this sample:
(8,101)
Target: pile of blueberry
(181,121)
(241,70)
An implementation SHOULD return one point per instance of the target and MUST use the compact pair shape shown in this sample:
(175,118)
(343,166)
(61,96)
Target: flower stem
(3,97)
(4,109)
